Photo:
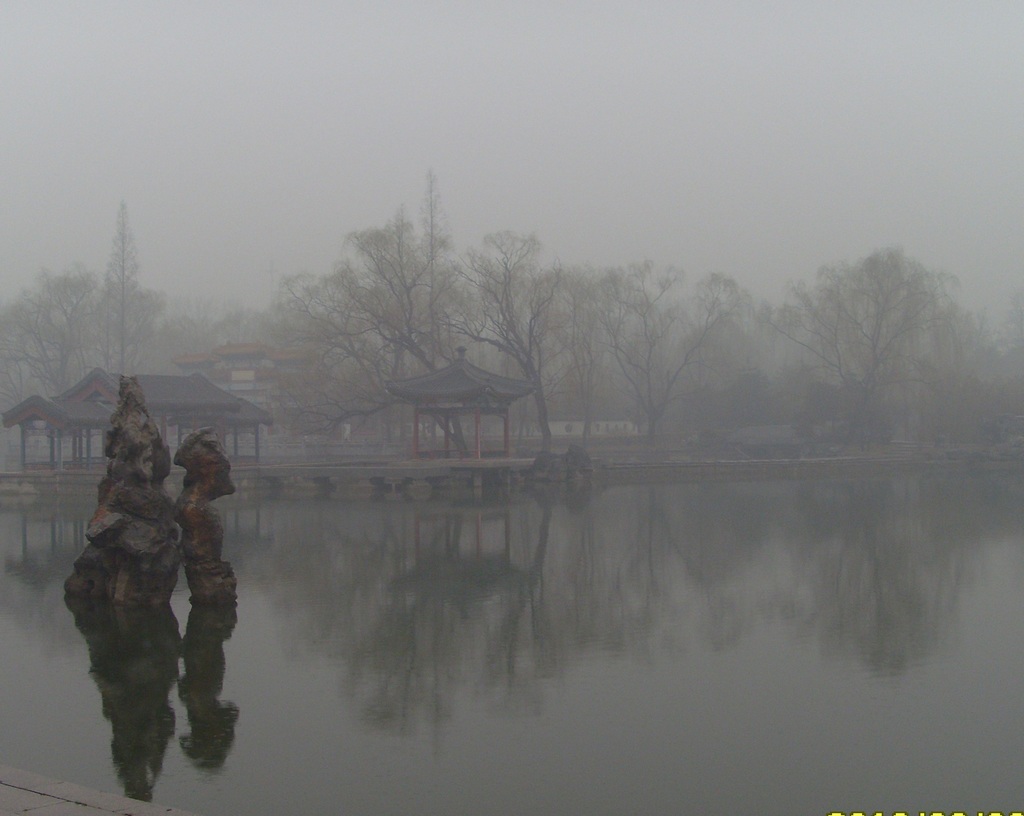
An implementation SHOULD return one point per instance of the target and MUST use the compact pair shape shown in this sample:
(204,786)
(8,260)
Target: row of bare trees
(65,323)
(401,303)
(866,351)
(870,349)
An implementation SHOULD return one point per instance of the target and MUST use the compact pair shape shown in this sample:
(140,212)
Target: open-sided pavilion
(459,390)
(82,415)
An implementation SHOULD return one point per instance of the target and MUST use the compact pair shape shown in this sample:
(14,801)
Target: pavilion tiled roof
(91,401)
(459,382)
(241,350)
(194,392)
(250,412)
(162,391)
(194,359)
(60,413)
(86,412)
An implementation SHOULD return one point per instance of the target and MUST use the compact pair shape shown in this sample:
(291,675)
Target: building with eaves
(455,391)
(67,431)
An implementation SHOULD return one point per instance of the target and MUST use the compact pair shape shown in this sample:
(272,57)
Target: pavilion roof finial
(460,353)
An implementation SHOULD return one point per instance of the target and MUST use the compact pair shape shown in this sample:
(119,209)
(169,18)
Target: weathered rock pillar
(132,558)
(207,477)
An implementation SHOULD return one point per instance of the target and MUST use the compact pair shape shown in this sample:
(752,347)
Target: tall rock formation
(133,555)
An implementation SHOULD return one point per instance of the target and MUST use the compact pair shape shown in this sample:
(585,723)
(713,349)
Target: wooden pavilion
(82,415)
(460,389)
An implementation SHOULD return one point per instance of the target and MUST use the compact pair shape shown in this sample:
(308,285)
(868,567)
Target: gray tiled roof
(164,393)
(194,392)
(459,382)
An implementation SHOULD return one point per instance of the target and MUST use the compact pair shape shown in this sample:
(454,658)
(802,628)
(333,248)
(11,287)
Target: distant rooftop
(461,381)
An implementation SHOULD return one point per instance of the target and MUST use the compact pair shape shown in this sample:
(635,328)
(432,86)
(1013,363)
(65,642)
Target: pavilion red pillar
(416,432)
(476,422)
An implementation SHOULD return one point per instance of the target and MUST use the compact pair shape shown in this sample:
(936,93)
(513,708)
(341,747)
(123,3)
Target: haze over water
(772,647)
(761,141)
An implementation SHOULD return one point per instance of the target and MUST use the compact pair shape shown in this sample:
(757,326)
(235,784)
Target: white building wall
(573,428)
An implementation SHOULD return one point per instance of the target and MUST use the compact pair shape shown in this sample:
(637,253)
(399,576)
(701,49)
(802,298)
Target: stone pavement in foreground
(22,792)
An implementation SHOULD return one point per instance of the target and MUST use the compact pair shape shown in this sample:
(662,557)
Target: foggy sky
(761,140)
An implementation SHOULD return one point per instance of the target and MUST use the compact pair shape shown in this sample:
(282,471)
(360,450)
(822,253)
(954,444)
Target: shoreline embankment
(438,478)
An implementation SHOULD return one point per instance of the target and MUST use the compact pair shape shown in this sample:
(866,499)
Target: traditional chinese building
(67,431)
(252,371)
(455,391)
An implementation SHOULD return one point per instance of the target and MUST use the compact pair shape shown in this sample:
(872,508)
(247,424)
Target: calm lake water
(770,648)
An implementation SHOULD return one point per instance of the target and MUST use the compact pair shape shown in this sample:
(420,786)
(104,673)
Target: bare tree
(128,312)
(861,325)
(48,329)
(583,343)
(14,380)
(121,282)
(654,338)
(1013,323)
(513,309)
(400,285)
(379,316)
(193,325)
(351,361)
(957,394)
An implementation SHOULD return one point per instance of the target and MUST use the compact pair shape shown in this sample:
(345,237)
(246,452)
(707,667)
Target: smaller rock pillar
(207,477)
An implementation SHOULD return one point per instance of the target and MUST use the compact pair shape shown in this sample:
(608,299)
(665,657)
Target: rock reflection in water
(133,659)
(453,619)
(211,721)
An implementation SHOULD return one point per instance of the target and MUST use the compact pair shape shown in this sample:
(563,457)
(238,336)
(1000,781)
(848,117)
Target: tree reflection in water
(422,604)
(435,608)
(416,612)
(884,576)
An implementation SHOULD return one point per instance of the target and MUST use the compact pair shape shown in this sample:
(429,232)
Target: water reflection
(461,594)
(422,608)
(211,721)
(61,531)
(416,608)
(133,659)
(884,579)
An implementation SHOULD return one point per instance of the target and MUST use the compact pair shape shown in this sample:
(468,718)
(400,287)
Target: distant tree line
(870,350)
(66,323)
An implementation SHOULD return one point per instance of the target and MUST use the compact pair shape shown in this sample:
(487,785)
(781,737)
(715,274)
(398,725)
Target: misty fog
(758,141)
(726,173)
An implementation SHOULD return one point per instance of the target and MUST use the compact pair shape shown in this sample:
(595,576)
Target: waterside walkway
(420,478)
(426,478)
(22,792)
